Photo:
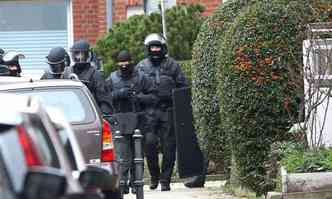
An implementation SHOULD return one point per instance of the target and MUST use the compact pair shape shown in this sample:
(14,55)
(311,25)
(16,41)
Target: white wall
(322,120)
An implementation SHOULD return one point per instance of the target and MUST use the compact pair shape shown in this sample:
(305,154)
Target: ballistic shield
(190,161)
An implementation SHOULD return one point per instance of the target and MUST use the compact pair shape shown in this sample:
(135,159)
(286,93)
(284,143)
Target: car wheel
(113,194)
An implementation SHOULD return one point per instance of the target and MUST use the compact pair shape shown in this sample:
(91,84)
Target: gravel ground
(212,190)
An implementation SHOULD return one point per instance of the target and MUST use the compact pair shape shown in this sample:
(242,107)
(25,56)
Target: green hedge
(260,62)
(205,80)
(183,24)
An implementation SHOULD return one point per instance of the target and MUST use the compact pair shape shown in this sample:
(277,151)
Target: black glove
(123,93)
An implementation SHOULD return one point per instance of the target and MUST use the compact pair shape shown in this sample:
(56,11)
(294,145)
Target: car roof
(10,79)
(41,83)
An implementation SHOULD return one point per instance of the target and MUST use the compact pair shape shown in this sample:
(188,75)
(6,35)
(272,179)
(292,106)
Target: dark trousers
(161,132)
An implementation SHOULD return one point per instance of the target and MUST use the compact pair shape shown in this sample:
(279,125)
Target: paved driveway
(212,190)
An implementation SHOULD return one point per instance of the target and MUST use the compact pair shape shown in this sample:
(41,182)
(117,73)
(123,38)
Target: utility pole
(163,17)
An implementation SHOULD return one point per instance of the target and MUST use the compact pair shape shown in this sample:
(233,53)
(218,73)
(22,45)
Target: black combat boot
(154,183)
(198,181)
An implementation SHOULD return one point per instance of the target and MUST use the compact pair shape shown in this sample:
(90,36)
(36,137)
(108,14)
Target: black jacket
(140,87)
(166,76)
(95,82)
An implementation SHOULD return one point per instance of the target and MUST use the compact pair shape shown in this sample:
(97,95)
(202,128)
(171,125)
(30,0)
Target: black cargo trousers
(160,132)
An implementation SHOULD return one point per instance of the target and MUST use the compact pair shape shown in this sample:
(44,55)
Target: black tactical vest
(134,83)
(85,76)
(162,77)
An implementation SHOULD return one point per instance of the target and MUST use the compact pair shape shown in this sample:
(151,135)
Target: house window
(318,57)
(33,27)
(153,5)
(135,10)
(33,15)
(322,61)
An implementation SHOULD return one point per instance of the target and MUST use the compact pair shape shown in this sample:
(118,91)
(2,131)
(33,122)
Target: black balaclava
(126,70)
(156,56)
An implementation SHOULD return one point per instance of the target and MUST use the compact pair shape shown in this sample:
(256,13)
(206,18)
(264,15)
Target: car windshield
(72,102)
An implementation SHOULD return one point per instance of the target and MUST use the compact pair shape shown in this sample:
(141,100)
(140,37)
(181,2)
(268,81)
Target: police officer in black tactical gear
(11,60)
(131,92)
(3,69)
(57,59)
(166,75)
(92,78)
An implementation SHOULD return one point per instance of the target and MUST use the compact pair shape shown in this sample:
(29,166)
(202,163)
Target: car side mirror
(94,177)
(83,196)
(44,183)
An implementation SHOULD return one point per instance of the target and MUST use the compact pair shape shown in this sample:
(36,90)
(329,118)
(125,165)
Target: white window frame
(109,14)
(70,23)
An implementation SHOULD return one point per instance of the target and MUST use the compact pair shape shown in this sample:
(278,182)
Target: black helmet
(57,58)
(80,52)
(124,63)
(157,40)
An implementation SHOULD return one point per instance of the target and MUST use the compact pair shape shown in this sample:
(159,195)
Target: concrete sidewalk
(212,190)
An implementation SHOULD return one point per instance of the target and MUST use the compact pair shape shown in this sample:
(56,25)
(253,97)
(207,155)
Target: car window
(43,142)
(72,102)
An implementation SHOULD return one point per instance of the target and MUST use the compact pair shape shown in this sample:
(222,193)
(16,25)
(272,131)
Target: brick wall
(210,5)
(89,19)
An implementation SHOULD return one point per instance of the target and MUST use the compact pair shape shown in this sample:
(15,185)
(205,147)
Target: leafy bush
(205,80)
(296,159)
(260,62)
(183,24)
